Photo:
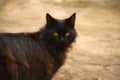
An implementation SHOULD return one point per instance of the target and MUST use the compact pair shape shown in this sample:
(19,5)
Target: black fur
(38,55)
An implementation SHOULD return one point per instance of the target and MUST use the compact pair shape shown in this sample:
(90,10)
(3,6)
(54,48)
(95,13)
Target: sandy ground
(96,53)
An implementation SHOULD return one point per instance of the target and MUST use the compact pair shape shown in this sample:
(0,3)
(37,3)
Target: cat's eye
(55,33)
(67,34)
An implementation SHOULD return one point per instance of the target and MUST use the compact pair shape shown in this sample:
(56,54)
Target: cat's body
(38,55)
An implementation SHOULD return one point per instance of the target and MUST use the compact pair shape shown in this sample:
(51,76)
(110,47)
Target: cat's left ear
(71,20)
(50,19)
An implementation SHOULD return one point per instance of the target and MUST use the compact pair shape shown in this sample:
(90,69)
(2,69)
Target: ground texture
(96,52)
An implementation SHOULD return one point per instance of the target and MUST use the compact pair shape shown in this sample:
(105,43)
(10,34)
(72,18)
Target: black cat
(38,55)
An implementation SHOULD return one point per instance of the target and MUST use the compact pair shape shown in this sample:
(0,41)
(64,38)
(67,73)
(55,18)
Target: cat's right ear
(50,19)
(71,20)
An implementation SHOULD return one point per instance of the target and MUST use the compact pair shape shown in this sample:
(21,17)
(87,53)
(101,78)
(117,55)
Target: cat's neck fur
(59,54)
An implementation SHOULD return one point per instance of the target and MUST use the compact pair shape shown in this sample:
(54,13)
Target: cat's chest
(59,58)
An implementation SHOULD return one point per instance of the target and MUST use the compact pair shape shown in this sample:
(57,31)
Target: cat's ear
(50,19)
(71,20)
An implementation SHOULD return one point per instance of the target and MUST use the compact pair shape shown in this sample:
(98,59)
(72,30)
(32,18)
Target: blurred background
(96,52)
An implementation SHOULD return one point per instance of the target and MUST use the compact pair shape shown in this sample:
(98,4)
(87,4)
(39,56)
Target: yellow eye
(67,34)
(55,34)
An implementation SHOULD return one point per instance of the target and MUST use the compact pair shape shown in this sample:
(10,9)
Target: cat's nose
(62,38)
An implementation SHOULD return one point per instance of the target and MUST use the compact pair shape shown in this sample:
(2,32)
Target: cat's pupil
(67,34)
(55,33)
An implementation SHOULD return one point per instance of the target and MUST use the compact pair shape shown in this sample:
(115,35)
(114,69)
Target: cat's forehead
(60,21)
(61,24)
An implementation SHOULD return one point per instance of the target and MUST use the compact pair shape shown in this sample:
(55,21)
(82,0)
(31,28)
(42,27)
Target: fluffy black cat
(37,55)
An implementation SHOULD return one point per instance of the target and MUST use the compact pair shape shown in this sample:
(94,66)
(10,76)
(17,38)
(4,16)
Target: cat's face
(60,33)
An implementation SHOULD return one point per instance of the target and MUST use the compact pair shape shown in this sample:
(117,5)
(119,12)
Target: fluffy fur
(38,55)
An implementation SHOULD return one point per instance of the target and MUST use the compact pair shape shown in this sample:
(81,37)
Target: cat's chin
(62,45)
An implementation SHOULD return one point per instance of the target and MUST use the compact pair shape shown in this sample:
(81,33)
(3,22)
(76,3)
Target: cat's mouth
(62,44)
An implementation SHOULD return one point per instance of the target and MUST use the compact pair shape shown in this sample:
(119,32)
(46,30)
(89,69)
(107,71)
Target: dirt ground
(96,53)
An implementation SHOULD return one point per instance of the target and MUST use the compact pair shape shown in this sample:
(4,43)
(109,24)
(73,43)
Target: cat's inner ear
(71,20)
(50,19)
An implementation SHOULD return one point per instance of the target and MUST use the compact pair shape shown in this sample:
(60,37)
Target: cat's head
(60,33)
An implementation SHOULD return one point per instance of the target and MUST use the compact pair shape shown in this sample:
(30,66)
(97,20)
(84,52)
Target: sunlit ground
(96,53)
